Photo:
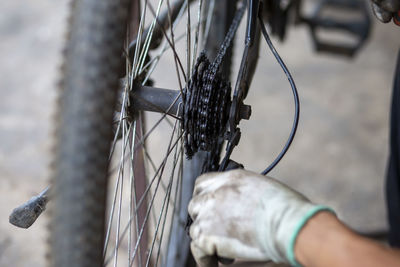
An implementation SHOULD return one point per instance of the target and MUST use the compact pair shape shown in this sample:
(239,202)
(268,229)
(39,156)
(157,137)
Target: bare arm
(325,241)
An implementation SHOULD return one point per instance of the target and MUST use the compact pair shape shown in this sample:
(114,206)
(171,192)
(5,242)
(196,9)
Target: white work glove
(243,215)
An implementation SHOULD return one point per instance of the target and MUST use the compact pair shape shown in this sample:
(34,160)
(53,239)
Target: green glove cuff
(303,221)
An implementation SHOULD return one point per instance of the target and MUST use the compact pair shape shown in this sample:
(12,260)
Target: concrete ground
(338,157)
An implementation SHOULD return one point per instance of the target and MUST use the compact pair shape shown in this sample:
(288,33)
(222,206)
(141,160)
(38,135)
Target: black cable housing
(295,96)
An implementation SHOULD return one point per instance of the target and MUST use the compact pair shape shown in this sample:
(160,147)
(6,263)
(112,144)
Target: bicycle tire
(87,98)
(86,106)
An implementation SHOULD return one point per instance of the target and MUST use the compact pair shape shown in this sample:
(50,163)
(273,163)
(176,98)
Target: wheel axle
(153,99)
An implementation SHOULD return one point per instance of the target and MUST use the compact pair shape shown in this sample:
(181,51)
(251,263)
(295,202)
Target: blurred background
(338,157)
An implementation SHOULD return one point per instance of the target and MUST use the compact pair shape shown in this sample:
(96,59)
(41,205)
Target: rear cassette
(206,108)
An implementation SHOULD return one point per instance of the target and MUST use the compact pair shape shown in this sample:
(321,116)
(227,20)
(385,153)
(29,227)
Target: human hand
(244,215)
(385,10)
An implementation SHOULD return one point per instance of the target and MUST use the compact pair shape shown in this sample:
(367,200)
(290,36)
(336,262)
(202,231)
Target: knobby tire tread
(87,97)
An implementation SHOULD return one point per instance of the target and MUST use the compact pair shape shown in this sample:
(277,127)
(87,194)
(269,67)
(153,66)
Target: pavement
(338,157)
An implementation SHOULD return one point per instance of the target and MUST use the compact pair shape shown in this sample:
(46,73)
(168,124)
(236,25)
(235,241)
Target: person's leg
(393,172)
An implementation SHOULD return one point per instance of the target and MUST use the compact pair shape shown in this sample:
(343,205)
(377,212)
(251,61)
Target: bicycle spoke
(167,196)
(139,36)
(122,115)
(131,207)
(154,167)
(188,41)
(208,21)
(153,197)
(124,137)
(196,38)
(165,217)
(111,216)
(178,63)
(139,203)
(144,138)
(151,65)
(146,45)
(120,176)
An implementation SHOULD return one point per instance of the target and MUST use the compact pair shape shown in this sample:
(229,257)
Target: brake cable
(295,97)
(243,83)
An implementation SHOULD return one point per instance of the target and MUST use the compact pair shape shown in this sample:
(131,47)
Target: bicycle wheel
(103,139)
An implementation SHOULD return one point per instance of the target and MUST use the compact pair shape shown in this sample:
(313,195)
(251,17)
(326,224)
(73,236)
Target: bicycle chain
(207,101)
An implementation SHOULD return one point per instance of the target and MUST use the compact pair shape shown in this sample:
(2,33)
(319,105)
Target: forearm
(325,241)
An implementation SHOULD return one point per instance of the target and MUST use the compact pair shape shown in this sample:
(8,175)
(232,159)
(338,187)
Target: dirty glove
(244,215)
(385,10)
